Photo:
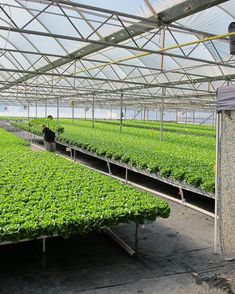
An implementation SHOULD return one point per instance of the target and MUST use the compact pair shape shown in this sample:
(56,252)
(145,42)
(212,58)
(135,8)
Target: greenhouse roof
(143,50)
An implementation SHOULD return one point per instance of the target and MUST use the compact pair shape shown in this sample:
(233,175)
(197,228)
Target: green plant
(44,194)
(184,157)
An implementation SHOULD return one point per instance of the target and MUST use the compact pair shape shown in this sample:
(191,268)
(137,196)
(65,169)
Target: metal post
(43,245)
(74,86)
(125,113)
(36,104)
(214,122)
(162,110)
(109,168)
(28,109)
(176,115)
(44,252)
(57,108)
(144,113)
(181,192)
(194,116)
(163,46)
(126,175)
(46,108)
(121,113)
(218,123)
(163,89)
(93,110)
(119,241)
(72,112)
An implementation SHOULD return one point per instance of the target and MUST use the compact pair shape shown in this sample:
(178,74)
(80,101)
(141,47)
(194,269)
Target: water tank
(231,29)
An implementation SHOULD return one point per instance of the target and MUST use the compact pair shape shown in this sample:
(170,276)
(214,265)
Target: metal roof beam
(100,62)
(137,84)
(95,43)
(54,65)
(169,15)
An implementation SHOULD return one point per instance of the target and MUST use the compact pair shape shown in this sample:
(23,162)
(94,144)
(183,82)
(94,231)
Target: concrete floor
(175,256)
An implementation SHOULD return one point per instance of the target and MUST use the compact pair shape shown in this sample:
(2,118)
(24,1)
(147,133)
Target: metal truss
(88,71)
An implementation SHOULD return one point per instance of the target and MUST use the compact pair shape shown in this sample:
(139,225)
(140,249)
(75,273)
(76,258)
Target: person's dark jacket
(48,135)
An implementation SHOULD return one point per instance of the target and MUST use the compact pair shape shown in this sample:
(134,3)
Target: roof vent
(231,29)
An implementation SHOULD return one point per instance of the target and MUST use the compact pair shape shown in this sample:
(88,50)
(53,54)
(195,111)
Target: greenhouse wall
(193,117)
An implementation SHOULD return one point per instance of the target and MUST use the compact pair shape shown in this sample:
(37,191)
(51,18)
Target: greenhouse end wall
(181,116)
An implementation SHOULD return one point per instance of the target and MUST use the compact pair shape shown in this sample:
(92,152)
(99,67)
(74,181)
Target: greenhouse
(117,146)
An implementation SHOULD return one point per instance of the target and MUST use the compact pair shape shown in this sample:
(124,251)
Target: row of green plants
(176,125)
(168,127)
(184,158)
(205,142)
(44,194)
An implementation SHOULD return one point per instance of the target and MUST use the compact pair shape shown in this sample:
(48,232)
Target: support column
(162,113)
(225,172)
(121,112)
(36,109)
(111,112)
(163,89)
(226,183)
(93,110)
(57,109)
(36,100)
(72,104)
(46,108)
(194,116)
(177,115)
(218,131)
(28,109)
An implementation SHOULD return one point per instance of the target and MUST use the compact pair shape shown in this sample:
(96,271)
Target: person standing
(49,137)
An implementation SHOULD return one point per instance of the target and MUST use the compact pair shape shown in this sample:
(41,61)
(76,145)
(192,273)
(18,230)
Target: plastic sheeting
(96,26)
(226,98)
